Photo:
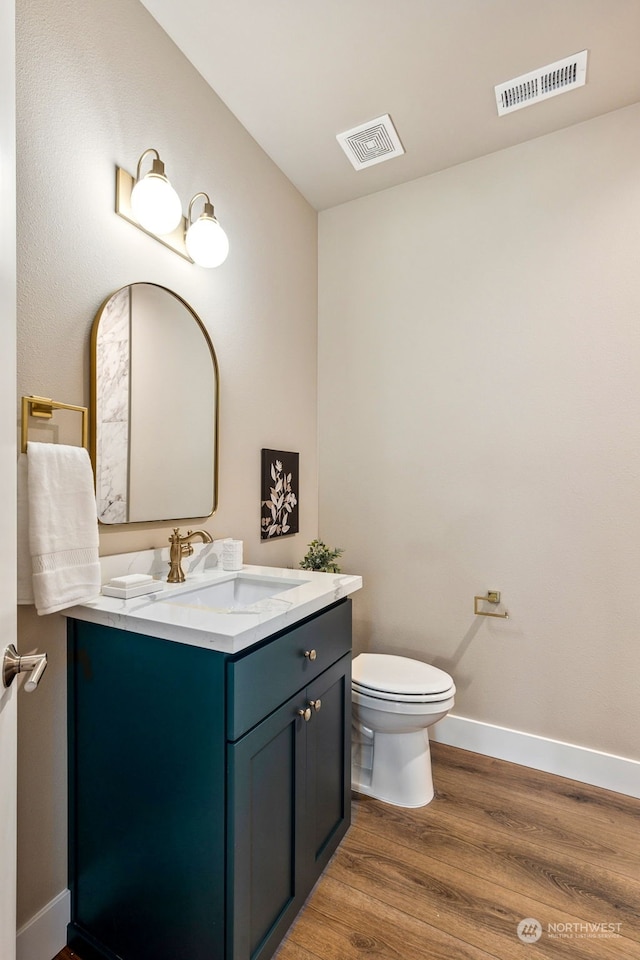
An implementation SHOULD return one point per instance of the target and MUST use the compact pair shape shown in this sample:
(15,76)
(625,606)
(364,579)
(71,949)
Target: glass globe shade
(155,204)
(206,242)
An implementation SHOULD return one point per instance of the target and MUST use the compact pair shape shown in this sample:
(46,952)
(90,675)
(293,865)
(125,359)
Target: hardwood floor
(451,881)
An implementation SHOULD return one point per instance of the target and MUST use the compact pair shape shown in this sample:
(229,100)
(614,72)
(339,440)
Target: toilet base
(394,768)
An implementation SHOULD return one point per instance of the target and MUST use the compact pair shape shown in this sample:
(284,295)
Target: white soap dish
(132,585)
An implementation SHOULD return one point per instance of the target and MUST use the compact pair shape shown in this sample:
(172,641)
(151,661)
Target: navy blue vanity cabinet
(207,790)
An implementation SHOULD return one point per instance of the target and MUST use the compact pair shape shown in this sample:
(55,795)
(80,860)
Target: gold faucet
(181,547)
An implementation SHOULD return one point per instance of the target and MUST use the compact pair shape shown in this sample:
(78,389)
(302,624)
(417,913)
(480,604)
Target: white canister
(232,555)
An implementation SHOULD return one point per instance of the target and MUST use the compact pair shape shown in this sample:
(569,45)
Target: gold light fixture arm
(156,167)
(208,206)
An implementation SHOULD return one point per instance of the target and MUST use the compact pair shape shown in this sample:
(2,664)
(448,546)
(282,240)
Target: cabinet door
(147,823)
(265,839)
(328,788)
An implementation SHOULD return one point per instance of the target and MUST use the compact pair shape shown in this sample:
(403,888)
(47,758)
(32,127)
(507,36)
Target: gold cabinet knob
(310,654)
(316,704)
(305,714)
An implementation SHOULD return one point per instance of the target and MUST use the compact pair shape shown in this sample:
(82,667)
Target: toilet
(395,699)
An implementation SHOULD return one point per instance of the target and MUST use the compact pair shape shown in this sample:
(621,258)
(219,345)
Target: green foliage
(320,557)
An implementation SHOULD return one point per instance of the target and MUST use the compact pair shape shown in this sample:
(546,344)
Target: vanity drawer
(260,681)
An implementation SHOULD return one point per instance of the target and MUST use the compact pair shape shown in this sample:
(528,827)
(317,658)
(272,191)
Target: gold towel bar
(493,596)
(43,408)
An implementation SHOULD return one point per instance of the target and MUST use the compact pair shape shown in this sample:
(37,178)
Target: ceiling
(297,72)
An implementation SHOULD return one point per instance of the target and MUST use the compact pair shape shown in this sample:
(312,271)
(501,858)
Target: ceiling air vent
(371,142)
(549,81)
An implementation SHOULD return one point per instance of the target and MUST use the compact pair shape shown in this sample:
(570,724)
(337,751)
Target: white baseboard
(553,756)
(44,936)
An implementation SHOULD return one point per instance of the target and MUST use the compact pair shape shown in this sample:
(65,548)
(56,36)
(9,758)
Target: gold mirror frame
(164,403)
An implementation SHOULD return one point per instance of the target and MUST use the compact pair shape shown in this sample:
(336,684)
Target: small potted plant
(320,557)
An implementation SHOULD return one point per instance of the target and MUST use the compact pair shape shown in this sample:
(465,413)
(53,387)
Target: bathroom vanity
(209,771)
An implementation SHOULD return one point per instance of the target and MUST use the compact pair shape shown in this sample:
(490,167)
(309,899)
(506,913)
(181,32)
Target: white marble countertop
(203,626)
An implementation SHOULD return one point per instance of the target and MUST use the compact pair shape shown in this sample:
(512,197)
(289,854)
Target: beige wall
(97,84)
(479,349)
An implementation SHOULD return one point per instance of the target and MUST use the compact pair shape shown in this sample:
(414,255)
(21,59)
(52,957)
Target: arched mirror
(154,403)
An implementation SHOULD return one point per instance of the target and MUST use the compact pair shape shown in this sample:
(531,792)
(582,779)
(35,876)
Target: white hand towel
(63,526)
(25,567)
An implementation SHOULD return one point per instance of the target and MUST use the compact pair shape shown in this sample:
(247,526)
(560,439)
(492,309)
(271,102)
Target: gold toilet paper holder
(492,596)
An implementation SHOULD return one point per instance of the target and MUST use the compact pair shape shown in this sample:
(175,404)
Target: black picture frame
(279,494)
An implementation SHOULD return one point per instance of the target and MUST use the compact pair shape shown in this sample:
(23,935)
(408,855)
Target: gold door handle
(305,714)
(316,704)
(310,654)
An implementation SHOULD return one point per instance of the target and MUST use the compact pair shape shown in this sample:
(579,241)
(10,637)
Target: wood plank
(288,950)
(594,804)
(349,925)
(549,876)
(562,825)
(478,911)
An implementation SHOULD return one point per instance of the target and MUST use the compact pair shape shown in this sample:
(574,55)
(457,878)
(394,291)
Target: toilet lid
(385,673)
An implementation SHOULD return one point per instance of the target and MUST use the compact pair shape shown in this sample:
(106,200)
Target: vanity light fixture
(205,240)
(154,203)
(150,203)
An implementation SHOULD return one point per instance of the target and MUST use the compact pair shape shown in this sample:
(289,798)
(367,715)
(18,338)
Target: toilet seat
(403,697)
(388,677)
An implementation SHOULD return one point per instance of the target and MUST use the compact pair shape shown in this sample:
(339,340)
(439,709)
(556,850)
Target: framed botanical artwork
(280,478)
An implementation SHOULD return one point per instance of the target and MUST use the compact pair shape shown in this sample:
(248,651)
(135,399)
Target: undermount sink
(237,592)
